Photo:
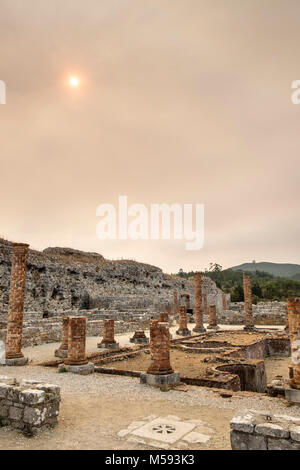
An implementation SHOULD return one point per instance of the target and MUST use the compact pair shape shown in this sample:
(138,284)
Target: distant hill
(277,269)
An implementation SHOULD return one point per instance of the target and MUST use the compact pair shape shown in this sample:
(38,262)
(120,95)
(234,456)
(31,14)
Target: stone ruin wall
(264,313)
(28,405)
(62,279)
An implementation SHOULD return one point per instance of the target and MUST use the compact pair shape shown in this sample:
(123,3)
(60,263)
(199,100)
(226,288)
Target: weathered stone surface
(32,397)
(282,444)
(268,432)
(29,405)
(272,430)
(243,421)
(245,441)
(295,433)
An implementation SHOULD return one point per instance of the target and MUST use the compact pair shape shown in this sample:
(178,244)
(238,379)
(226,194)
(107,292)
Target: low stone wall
(28,405)
(251,430)
(38,330)
(264,313)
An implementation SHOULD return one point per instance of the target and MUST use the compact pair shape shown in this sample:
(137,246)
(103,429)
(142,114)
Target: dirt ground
(237,338)
(188,364)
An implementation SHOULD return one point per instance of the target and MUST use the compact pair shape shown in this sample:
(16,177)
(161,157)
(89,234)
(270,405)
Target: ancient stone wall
(61,279)
(264,313)
(28,405)
(251,430)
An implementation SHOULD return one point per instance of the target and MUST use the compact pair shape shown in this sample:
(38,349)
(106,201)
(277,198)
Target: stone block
(4,389)
(244,422)
(84,369)
(34,416)
(32,397)
(15,413)
(295,433)
(272,430)
(244,441)
(282,444)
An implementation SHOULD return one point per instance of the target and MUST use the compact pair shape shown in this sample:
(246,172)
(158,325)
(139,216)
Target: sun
(74,82)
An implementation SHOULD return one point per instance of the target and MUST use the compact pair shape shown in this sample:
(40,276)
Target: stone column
(224,302)
(213,318)
(199,328)
(108,340)
(183,328)
(77,361)
(293,306)
(249,321)
(14,355)
(62,351)
(160,373)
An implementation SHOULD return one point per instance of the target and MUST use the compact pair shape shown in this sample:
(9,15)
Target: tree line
(265,286)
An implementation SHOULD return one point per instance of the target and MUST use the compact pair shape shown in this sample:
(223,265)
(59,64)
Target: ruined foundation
(77,361)
(183,329)
(199,327)
(252,430)
(108,340)
(28,405)
(160,373)
(14,355)
(62,351)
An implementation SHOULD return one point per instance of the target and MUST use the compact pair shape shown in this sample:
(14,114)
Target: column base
(108,345)
(199,330)
(250,328)
(292,395)
(84,369)
(214,327)
(16,361)
(139,340)
(62,353)
(184,332)
(161,381)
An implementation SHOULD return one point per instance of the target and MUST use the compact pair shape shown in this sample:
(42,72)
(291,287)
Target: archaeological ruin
(198,338)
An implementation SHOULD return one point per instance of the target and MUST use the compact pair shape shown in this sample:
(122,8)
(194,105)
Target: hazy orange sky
(181,101)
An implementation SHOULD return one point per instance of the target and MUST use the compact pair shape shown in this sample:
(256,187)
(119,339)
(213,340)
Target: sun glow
(74,82)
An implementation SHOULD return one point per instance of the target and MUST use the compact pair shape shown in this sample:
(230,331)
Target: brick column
(159,349)
(205,305)
(62,351)
(108,340)
(224,302)
(293,306)
(14,355)
(249,321)
(286,320)
(164,317)
(212,318)
(176,307)
(76,342)
(199,327)
(183,328)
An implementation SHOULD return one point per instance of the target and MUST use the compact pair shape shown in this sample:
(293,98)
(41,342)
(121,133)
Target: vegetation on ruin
(265,286)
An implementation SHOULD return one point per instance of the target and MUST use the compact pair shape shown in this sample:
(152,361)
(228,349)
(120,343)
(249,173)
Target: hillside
(276,269)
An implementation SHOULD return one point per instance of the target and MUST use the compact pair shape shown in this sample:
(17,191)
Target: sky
(180,101)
